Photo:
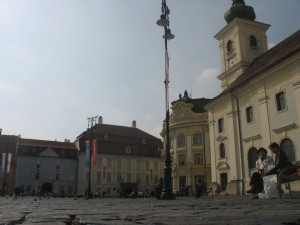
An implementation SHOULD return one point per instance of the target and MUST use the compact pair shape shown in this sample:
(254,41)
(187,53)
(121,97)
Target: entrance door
(182,184)
(223,177)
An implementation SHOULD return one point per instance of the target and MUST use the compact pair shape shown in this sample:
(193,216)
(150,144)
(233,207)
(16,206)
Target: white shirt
(265,164)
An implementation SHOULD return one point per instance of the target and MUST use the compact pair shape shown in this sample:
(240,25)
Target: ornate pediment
(223,166)
(221,138)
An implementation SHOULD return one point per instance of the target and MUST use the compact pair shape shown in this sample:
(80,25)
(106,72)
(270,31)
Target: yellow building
(259,102)
(127,159)
(189,144)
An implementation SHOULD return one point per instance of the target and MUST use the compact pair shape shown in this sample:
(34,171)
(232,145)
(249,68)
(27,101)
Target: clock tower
(241,41)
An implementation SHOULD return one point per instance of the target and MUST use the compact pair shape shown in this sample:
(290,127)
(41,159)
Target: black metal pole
(92,119)
(167,192)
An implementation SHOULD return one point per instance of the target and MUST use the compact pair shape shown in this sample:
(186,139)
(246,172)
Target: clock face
(230,62)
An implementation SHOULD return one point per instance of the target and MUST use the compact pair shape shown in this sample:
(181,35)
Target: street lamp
(164,22)
(91,121)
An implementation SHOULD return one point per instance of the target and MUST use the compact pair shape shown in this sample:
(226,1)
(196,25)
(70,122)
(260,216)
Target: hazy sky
(62,61)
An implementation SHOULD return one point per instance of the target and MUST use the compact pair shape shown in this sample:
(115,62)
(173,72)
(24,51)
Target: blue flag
(87,153)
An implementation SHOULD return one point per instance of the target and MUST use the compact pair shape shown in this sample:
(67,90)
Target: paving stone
(220,210)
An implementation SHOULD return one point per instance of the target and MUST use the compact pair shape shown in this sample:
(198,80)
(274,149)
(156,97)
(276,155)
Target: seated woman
(263,163)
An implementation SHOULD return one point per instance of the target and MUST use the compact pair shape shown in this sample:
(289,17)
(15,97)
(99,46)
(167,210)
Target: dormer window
(144,141)
(128,150)
(253,41)
(105,137)
(180,111)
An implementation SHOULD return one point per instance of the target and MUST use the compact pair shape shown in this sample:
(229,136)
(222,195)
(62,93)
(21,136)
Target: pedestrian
(263,164)
(218,189)
(200,189)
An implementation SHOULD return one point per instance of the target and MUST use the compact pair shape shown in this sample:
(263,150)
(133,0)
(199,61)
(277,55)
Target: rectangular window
(138,178)
(181,141)
(249,113)
(138,166)
(221,125)
(181,160)
(147,166)
(98,176)
(109,164)
(197,139)
(156,179)
(128,177)
(108,178)
(155,166)
(147,179)
(280,100)
(199,159)
(119,165)
(128,164)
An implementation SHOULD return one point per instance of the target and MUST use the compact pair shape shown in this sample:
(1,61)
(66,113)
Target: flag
(8,163)
(167,80)
(3,164)
(94,161)
(87,153)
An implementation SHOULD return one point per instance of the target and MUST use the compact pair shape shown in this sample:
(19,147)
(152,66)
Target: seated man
(263,163)
(282,163)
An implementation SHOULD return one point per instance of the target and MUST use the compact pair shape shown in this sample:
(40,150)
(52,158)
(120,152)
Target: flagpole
(90,120)
(5,168)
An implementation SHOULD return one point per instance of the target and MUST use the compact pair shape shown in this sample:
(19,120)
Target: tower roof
(241,10)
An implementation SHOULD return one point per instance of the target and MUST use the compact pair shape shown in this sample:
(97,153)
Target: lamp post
(91,121)
(164,22)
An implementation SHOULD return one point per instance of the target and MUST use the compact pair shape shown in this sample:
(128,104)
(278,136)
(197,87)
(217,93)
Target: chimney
(100,120)
(134,124)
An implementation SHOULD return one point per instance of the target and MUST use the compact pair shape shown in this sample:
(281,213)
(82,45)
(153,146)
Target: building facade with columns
(127,159)
(189,144)
(259,103)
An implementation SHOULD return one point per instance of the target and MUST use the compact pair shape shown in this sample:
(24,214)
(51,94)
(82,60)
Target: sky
(62,61)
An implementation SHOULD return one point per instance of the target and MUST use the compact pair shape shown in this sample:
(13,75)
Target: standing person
(218,190)
(262,165)
(282,163)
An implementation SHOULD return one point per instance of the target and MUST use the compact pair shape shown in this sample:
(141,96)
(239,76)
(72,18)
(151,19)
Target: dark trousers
(257,183)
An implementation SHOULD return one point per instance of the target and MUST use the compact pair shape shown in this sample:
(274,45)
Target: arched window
(222,151)
(253,41)
(288,147)
(252,157)
(229,46)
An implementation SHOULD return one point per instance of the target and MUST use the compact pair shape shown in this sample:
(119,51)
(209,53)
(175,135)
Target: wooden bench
(287,179)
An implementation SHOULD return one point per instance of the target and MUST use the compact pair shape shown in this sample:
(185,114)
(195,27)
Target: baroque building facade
(127,159)
(46,167)
(259,100)
(189,144)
